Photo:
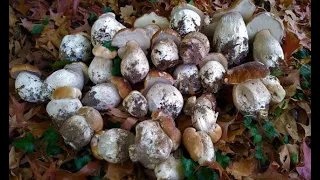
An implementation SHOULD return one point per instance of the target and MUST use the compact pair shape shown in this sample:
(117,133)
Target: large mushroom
(187,78)
(164,54)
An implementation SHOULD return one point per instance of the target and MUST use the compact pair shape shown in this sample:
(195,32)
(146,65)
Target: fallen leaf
(242,168)
(125,14)
(284,157)
(291,44)
(119,171)
(215,165)
(227,121)
(234,133)
(305,170)
(15,157)
(271,174)
(23,7)
(129,123)
(286,125)
(224,147)
(12,17)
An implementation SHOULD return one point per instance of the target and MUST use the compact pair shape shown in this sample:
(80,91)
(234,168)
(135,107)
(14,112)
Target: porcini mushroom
(92,116)
(104,28)
(155,76)
(267,49)
(187,78)
(100,70)
(231,38)
(134,64)
(151,18)
(214,56)
(276,91)
(103,52)
(165,97)
(164,34)
(28,84)
(135,104)
(265,20)
(75,47)
(151,29)
(188,105)
(171,168)
(211,76)
(164,54)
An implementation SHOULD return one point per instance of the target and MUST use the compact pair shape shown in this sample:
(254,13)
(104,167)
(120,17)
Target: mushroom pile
(169,67)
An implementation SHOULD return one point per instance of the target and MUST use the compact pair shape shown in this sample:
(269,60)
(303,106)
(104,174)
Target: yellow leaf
(286,125)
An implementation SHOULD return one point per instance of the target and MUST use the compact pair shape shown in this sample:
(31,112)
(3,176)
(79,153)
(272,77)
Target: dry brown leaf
(119,171)
(12,17)
(224,147)
(227,121)
(126,13)
(291,44)
(243,168)
(14,158)
(284,156)
(215,165)
(286,125)
(234,133)
(23,7)
(271,174)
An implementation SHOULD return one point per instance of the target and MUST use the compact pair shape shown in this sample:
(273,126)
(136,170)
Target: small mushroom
(28,84)
(103,52)
(102,96)
(139,35)
(165,97)
(100,70)
(76,132)
(265,20)
(135,104)
(186,18)
(211,76)
(193,48)
(164,34)
(164,54)
(152,145)
(151,18)
(104,28)
(134,64)
(231,38)
(187,78)
(267,49)
(199,145)
(245,72)
(188,105)
(276,91)
(251,98)
(171,169)
(155,76)
(113,145)
(215,57)
(64,104)
(75,47)
(92,116)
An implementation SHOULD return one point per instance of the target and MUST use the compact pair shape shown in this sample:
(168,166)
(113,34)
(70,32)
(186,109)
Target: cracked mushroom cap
(172,169)
(152,145)
(192,50)
(211,76)
(164,54)
(139,35)
(75,47)
(203,118)
(134,65)
(155,76)
(64,104)
(76,132)
(186,18)
(187,78)
(267,49)
(231,38)
(104,28)
(245,7)
(135,104)
(99,70)
(151,18)
(165,97)
(113,145)
(265,20)
(102,96)
(251,97)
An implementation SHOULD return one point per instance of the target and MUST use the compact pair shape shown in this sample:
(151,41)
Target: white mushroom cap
(104,28)
(267,49)
(102,96)
(79,67)
(65,77)
(251,97)
(30,87)
(138,35)
(61,109)
(211,75)
(151,29)
(113,145)
(151,18)
(277,92)
(187,78)
(245,7)
(165,97)
(164,54)
(266,20)
(134,64)
(231,38)
(208,149)
(215,57)
(204,118)
(171,169)
(76,132)
(185,21)
(135,104)
(100,70)
(75,47)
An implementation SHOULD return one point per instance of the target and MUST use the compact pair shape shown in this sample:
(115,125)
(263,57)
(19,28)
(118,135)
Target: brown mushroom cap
(125,35)
(101,51)
(151,18)
(122,85)
(193,143)
(166,34)
(155,76)
(66,92)
(215,56)
(92,116)
(16,69)
(94,145)
(245,72)
(201,37)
